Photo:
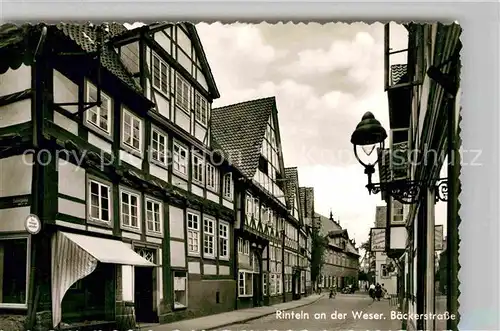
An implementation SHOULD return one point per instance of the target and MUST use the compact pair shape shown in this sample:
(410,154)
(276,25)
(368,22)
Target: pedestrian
(371,291)
(366,287)
(378,291)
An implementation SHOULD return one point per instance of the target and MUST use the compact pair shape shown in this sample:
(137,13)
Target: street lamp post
(369,133)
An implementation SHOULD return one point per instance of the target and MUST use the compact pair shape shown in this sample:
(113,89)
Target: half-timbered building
(295,261)
(249,135)
(105,138)
(306,202)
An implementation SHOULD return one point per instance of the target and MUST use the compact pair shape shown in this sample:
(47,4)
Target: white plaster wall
(15,113)
(16,173)
(224,270)
(71,179)
(65,91)
(159,278)
(131,159)
(164,42)
(197,190)
(209,269)
(71,208)
(183,41)
(200,77)
(176,222)
(128,283)
(184,61)
(213,197)
(12,219)
(182,119)
(66,123)
(177,254)
(14,81)
(158,172)
(228,204)
(163,105)
(194,267)
(99,143)
(179,182)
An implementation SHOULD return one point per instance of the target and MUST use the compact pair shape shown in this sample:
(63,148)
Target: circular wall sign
(32,224)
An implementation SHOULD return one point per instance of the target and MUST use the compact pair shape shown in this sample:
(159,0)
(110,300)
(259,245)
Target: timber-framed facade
(106,138)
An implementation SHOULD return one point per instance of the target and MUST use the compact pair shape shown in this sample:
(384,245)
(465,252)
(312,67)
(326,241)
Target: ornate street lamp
(368,135)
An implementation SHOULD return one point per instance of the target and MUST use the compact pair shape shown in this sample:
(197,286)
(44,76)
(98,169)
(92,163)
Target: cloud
(324,78)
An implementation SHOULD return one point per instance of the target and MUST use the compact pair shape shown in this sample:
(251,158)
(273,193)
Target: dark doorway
(257,290)
(143,296)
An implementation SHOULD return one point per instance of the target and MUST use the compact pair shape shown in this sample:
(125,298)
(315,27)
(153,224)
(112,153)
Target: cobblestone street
(342,313)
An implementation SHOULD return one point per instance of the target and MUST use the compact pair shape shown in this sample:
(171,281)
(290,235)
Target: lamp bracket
(408,191)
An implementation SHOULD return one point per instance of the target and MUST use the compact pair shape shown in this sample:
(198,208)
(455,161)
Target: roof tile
(239,130)
(85,36)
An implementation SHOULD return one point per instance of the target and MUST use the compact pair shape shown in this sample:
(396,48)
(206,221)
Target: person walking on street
(371,291)
(378,291)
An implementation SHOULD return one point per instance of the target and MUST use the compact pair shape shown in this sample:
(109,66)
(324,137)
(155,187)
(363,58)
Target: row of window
(161,82)
(132,137)
(243,246)
(340,259)
(212,234)
(100,207)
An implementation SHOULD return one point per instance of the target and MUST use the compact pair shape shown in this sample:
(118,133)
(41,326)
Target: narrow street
(340,315)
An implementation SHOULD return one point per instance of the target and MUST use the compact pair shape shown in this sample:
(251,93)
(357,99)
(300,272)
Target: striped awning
(75,256)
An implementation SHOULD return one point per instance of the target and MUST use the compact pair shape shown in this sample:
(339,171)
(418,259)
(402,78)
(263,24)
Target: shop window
(180,290)
(245,284)
(13,271)
(87,299)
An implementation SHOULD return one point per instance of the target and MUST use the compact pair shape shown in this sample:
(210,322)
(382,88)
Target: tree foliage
(319,246)
(362,276)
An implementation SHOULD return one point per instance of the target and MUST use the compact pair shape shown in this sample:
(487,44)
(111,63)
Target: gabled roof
(239,131)
(200,52)
(291,186)
(84,35)
(193,35)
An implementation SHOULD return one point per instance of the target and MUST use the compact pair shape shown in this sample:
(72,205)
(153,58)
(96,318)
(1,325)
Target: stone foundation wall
(12,322)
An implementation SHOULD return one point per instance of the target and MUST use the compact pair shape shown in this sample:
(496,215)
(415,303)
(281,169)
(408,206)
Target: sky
(324,78)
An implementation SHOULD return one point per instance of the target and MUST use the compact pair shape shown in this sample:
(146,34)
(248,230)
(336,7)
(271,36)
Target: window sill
(179,306)
(96,222)
(179,174)
(159,164)
(229,199)
(224,258)
(201,123)
(209,257)
(154,234)
(198,183)
(192,254)
(213,190)
(13,306)
(130,228)
(108,136)
(131,150)
(163,93)
(182,108)
(245,295)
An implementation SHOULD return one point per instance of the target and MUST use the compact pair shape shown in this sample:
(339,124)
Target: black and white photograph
(213,176)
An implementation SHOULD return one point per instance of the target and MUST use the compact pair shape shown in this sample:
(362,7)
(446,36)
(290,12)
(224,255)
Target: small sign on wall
(377,239)
(32,224)
(438,237)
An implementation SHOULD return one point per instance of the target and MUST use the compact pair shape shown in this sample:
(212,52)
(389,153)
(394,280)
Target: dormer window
(201,109)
